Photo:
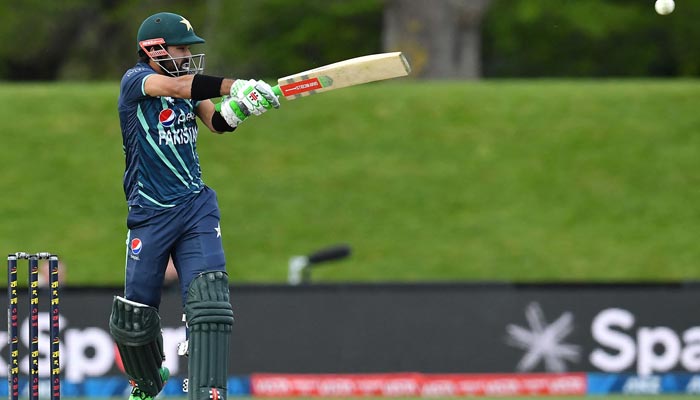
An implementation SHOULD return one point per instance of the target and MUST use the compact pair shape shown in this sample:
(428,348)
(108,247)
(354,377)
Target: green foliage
(589,38)
(497,180)
(277,37)
(35,34)
(81,39)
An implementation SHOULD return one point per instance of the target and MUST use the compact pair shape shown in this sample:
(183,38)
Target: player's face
(179,61)
(182,55)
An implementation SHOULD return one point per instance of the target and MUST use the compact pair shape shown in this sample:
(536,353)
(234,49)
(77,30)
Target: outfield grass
(494,180)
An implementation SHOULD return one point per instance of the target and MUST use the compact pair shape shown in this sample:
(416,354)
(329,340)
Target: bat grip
(276,89)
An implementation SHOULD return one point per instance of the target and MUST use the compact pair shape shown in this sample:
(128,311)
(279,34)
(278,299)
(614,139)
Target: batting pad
(210,319)
(135,328)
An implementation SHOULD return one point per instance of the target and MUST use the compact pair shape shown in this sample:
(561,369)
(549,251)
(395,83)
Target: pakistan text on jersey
(184,135)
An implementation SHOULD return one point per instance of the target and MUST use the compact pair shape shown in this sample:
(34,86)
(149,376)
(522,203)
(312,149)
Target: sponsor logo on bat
(304,86)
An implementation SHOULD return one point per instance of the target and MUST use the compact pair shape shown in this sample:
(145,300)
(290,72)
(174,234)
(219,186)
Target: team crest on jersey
(167,117)
(136,246)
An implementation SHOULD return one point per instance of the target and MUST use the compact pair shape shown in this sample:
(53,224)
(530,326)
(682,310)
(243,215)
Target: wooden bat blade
(354,71)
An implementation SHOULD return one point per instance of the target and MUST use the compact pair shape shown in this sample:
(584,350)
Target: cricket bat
(355,71)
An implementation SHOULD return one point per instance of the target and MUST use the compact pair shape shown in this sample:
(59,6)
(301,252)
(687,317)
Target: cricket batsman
(172,213)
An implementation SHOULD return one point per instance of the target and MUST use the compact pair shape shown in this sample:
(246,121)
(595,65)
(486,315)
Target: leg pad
(135,328)
(209,319)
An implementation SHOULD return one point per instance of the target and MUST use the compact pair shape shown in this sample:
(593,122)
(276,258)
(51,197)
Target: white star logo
(544,342)
(187,24)
(218,230)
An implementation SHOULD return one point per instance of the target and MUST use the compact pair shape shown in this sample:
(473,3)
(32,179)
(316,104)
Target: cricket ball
(664,7)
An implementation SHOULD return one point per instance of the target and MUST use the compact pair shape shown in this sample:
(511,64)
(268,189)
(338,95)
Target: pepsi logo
(136,245)
(167,117)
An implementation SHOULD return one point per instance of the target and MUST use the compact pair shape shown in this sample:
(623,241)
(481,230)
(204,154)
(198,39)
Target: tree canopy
(95,40)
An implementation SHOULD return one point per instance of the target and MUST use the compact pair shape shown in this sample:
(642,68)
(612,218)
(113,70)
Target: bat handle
(276,89)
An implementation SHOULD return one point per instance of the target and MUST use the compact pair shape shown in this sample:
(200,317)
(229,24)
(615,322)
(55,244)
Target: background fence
(620,335)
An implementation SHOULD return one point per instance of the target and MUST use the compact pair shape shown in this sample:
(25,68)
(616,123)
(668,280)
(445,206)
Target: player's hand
(266,91)
(233,110)
(256,96)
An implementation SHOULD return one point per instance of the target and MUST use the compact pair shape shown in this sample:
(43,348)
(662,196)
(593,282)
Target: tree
(442,39)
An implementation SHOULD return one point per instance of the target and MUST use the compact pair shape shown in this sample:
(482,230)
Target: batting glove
(256,96)
(233,111)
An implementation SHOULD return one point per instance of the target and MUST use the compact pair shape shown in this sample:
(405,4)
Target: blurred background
(93,40)
(534,140)
(87,40)
(543,153)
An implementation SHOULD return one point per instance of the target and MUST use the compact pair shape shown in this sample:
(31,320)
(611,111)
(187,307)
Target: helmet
(167,29)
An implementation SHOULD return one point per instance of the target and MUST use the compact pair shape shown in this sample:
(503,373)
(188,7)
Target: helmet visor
(178,66)
(174,66)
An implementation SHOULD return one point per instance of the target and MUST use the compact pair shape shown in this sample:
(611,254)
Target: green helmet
(167,29)
(174,29)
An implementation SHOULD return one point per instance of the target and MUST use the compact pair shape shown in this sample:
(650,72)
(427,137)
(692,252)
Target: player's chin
(184,68)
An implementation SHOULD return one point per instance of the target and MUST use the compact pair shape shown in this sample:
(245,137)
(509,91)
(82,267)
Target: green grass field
(427,181)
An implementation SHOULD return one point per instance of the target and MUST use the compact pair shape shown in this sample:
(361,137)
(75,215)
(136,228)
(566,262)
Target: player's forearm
(205,112)
(196,87)
(226,86)
(208,87)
